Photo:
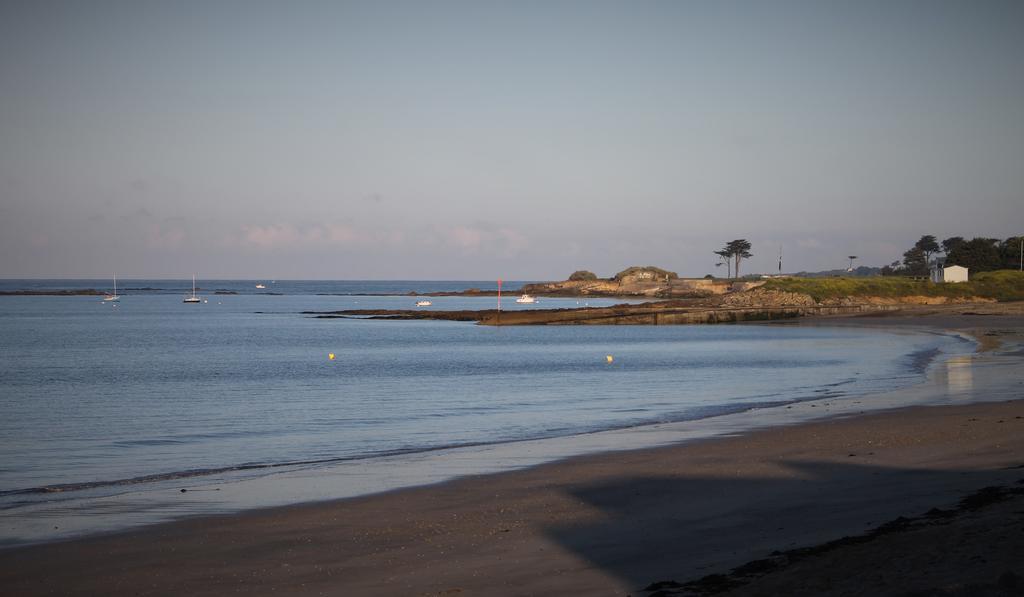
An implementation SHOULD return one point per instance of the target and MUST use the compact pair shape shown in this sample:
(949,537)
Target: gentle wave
(561,431)
(921,359)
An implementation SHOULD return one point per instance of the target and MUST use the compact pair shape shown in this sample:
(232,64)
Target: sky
(519,140)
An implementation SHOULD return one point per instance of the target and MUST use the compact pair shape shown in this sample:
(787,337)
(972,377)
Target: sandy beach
(461,298)
(633,523)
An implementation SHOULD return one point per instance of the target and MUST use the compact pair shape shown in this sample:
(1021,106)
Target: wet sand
(615,523)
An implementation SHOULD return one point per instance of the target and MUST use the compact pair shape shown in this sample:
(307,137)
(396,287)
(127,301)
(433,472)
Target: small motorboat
(260,286)
(423,303)
(526,299)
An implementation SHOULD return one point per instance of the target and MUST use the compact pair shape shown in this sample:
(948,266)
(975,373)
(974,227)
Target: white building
(952,273)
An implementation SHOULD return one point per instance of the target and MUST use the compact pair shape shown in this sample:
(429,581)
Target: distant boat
(423,303)
(113,297)
(260,286)
(526,299)
(193,298)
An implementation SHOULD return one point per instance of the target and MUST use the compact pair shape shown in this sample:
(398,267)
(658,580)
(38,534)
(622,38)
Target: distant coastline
(83,292)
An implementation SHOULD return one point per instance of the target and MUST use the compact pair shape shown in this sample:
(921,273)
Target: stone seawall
(655,316)
(647,314)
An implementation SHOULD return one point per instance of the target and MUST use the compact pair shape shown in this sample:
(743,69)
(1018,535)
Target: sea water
(98,398)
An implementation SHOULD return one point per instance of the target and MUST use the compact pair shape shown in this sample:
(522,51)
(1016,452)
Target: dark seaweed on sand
(719,583)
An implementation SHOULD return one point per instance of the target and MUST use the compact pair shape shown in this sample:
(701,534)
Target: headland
(728,302)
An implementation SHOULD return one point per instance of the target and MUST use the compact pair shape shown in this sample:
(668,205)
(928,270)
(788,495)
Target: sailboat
(113,297)
(193,298)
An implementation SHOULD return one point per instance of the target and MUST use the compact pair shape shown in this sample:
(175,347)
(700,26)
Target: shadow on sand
(658,528)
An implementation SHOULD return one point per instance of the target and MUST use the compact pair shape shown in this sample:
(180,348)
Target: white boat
(423,303)
(526,299)
(193,298)
(260,286)
(113,297)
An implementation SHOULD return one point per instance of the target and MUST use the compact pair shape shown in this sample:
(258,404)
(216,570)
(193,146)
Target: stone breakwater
(665,313)
(662,315)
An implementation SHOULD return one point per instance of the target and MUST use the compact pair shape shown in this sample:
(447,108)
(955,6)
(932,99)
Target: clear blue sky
(523,140)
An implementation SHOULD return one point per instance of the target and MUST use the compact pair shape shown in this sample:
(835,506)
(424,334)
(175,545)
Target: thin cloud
(165,237)
(486,238)
(296,237)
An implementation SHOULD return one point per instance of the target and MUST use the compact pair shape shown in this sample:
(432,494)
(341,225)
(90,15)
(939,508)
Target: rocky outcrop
(637,281)
(659,313)
(599,287)
(631,286)
(704,301)
(761,297)
(83,292)
(646,281)
(847,301)
(767,298)
(646,273)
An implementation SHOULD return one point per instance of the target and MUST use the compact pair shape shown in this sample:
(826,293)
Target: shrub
(582,276)
(1002,285)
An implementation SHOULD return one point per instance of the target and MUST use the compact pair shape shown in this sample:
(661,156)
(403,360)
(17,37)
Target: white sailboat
(193,298)
(113,297)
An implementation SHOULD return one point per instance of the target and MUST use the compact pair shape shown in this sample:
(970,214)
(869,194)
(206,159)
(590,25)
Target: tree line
(979,254)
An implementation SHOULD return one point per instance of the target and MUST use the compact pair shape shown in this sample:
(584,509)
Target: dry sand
(612,524)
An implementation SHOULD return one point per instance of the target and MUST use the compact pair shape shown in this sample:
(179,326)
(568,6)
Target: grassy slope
(1003,285)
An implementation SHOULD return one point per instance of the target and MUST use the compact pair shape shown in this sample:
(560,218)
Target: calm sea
(97,397)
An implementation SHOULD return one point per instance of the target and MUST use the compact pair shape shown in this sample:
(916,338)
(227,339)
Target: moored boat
(113,297)
(193,298)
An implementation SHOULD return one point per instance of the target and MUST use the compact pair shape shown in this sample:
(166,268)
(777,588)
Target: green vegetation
(978,255)
(1002,285)
(582,276)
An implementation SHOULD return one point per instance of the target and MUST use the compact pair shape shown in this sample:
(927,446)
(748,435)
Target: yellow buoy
(330,356)
(609,358)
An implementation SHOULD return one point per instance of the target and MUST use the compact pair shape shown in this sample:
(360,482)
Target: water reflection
(957,375)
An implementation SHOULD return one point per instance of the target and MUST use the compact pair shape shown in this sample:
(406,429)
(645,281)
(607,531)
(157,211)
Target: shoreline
(390,542)
(122,505)
(688,312)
